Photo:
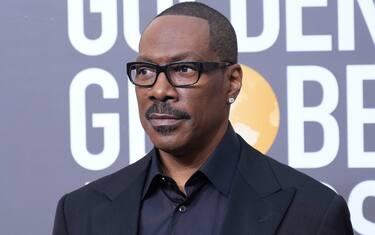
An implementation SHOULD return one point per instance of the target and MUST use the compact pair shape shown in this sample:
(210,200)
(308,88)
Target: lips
(158,119)
(162,114)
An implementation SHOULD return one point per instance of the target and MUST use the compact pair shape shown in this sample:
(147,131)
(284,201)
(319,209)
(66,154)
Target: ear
(234,76)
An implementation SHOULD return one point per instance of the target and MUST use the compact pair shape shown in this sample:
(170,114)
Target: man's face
(181,120)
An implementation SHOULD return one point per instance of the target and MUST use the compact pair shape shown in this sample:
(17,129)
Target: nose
(162,90)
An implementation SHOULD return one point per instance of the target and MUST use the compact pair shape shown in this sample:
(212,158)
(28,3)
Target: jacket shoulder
(290,177)
(102,190)
(315,206)
(75,209)
(109,185)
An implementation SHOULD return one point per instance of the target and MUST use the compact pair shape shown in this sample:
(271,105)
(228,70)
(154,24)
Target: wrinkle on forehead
(184,56)
(170,38)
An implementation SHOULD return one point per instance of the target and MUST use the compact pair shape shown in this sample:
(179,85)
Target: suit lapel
(120,215)
(257,203)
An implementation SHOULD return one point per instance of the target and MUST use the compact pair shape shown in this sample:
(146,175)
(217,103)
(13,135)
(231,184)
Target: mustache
(165,108)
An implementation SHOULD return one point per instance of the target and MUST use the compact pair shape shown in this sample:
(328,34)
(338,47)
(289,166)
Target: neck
(182,166)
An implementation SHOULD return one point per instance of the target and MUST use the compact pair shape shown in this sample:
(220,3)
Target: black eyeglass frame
(202,67)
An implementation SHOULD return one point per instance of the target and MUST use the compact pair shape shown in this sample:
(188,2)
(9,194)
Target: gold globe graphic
(255,115)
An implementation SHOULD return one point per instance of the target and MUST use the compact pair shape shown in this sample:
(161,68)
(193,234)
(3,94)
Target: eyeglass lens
(179,74)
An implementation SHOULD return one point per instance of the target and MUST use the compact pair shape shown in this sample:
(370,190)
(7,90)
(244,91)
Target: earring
(231,100)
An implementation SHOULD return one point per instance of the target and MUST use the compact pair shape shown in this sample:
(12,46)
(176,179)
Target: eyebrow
(179,57)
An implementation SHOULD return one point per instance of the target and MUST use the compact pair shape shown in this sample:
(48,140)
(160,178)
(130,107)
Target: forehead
(172,38)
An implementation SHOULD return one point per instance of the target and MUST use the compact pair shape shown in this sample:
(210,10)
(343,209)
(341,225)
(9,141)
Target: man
(201,177)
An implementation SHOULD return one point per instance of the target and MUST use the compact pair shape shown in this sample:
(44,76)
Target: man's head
(182,119)
(223,38)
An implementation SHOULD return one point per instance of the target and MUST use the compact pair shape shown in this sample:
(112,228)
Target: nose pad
(162,78)
(162,89)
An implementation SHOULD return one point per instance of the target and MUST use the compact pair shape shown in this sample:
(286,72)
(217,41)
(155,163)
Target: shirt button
(182,209)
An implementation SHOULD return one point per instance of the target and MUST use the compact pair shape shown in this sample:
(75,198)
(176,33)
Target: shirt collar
(153,174)
(219,167)
(222,163)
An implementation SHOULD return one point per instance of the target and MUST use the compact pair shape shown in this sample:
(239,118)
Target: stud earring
(231,100)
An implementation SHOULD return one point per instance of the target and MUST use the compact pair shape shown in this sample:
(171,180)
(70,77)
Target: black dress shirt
(166,210)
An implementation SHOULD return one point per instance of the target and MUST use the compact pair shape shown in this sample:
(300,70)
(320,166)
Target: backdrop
(68,114)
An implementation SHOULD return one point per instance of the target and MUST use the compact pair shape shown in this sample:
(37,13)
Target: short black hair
(223,38)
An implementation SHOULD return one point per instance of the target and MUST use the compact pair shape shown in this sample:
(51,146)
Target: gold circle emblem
(255,114)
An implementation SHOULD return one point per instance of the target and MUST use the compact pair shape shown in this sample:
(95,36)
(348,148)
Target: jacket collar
(123,189)
(257,202)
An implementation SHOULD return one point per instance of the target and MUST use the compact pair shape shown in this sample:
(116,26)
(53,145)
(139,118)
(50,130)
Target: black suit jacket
(267,197)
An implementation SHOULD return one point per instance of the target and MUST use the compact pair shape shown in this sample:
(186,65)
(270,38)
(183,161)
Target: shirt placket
(178,199)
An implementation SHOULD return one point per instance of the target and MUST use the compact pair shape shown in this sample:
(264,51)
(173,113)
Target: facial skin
(197,117)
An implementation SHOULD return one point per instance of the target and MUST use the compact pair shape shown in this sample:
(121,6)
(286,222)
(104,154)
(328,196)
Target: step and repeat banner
(68,114)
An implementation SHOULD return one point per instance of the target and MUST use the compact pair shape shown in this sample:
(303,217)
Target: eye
(184,68)
(144,71)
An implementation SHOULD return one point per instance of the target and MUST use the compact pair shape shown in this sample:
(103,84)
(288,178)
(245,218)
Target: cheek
(205,102)
(214,94)
(141,101)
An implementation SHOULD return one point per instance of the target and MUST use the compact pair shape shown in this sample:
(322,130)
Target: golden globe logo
(255,114)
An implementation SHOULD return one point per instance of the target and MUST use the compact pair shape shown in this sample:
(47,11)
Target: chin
(169,146)
(165,130)
(167,139)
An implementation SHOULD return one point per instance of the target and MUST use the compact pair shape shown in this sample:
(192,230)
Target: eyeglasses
(179,74)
